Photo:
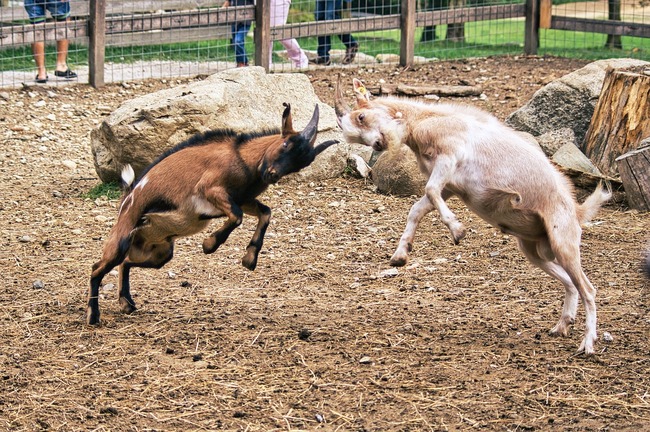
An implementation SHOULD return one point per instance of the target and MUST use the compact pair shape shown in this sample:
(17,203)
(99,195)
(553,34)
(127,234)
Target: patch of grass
(109,190)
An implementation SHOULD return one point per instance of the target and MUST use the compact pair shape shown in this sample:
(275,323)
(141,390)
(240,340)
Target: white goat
(499,175)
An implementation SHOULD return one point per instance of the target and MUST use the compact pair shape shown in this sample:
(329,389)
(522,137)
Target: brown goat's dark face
(296,150)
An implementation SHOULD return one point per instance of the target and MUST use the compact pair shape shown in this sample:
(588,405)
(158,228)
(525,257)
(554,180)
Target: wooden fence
(101,23)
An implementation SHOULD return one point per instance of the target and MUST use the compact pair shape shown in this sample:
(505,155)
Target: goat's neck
(254,151)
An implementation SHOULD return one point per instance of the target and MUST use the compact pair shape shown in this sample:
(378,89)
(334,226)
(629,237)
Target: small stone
(69,164)
(38,284)
(365,360)
(391,272)
(607,337)
(25,239)
(40,104)
(101,218)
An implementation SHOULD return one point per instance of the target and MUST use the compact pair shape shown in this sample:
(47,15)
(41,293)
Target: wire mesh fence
(179,38)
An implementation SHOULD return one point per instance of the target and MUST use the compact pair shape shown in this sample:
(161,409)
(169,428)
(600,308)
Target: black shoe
(325,61)
(41,80)
(350,53)
(67,74)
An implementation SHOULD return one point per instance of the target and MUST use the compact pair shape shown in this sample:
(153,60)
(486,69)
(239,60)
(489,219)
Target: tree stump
(634,168)
(621,118)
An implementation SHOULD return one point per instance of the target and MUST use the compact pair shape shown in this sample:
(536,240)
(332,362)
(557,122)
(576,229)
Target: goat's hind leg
(552,268)
(157,256)
(263,214)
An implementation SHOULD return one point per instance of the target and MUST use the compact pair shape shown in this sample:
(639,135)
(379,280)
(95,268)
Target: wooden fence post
(531,32)
(407,38)
(97,42)
(262,35)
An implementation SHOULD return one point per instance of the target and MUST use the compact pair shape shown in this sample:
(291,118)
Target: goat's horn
(309,133)
(340,106)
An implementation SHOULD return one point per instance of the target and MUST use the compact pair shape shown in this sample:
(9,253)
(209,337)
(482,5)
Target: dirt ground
(322,335)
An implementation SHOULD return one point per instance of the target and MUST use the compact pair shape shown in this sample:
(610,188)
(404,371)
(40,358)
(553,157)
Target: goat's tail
(128,177)
(588,209)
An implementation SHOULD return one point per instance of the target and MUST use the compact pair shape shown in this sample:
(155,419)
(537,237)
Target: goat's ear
(287,122)
(361,92)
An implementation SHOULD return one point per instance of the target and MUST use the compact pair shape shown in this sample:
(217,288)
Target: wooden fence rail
(101,23)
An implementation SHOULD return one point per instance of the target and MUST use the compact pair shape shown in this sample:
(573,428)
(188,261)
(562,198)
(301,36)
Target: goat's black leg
(160,255)
(234,214)
(113,256)
(263,214)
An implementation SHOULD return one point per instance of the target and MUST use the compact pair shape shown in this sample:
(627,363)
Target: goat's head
(296,149)
(368,123)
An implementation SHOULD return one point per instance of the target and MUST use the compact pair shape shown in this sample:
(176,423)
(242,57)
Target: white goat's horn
(340,106)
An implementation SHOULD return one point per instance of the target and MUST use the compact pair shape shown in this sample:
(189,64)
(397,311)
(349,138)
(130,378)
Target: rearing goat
(500,176)
(212,175)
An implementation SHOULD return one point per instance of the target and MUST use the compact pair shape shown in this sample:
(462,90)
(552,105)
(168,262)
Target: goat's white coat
(497,173)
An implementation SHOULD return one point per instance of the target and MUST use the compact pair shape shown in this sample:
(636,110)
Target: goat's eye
(285,144)
(361,117)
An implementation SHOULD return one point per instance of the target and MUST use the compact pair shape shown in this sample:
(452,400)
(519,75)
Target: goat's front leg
(417,212)
(441,173)
(234,214)
(263,214)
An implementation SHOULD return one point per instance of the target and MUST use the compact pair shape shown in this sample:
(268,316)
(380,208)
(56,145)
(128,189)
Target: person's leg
(62,55)
(324,12)
(38,49)
(60,11)
(240,39)
(36,13)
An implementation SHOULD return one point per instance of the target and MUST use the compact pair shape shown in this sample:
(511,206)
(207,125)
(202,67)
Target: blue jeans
(329,10)
(59,9)
(239,32)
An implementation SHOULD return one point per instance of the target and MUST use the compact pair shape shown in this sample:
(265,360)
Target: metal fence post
(97,42)
(531,32)
(407,38)
(262,35)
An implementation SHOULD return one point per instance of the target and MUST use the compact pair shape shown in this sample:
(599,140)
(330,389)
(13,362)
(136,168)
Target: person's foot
(350,53)
(240,64)
(67,74)
(324,61)
(40,80)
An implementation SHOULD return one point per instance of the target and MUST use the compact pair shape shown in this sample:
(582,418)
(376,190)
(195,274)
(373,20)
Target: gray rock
(552,141)
(567,102)
(570,156)
(242,99)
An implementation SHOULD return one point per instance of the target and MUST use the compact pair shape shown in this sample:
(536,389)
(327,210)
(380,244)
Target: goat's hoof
(249,263)
(459,236)
(210,245)
(398,261)
(128,307)
(559,331)
(92,317)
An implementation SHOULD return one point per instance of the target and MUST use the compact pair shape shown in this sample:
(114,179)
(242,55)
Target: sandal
(67,74)
(41,80)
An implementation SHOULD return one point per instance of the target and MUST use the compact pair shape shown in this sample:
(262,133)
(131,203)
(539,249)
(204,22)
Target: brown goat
(212,175)
(499,175)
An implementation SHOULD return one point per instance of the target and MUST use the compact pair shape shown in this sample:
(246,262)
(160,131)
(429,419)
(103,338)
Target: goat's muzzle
(271,176)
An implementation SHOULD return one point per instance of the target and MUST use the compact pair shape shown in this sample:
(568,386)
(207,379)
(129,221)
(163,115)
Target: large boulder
(567,102)
(242,99)
(396,172)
